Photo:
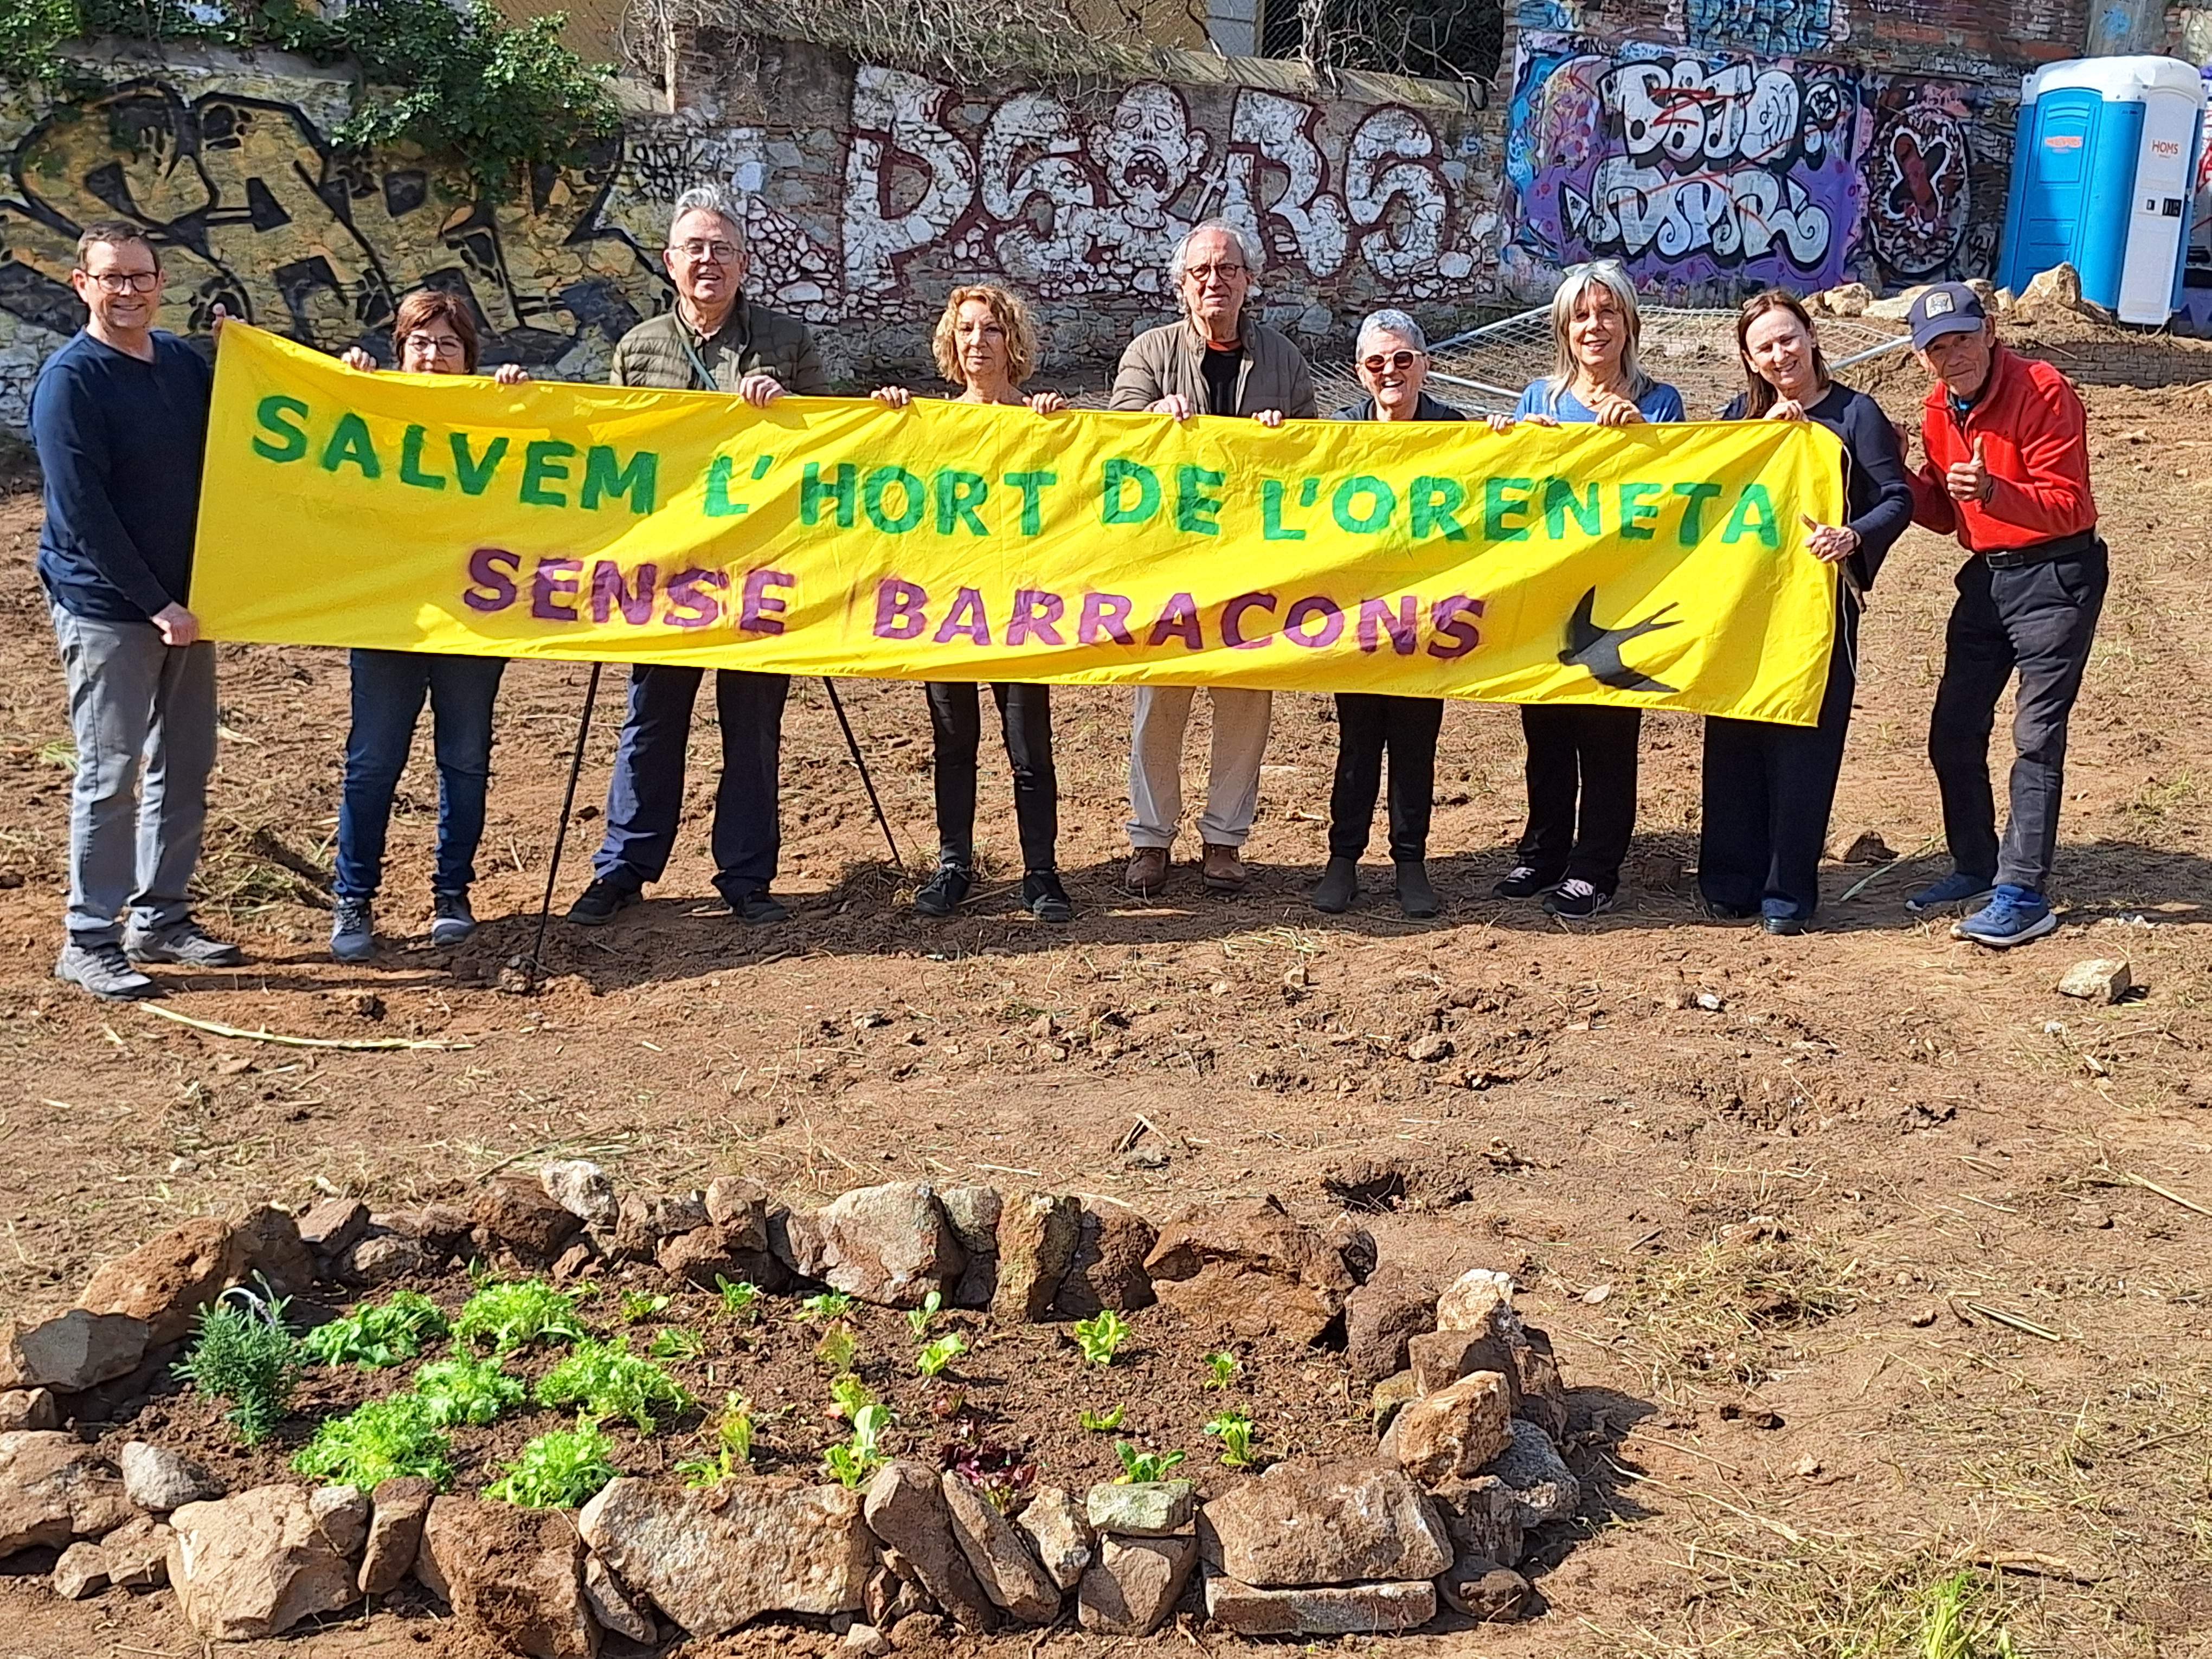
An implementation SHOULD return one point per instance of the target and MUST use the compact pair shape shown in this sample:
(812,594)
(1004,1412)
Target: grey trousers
(134,841)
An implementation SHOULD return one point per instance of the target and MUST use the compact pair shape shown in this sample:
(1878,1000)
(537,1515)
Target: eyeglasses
(126,282)
(432,345)
(1401,361)
(699,254)
(1218,272)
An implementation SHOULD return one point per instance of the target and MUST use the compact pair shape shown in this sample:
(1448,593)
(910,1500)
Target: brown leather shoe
(1223,870)
(1148,871)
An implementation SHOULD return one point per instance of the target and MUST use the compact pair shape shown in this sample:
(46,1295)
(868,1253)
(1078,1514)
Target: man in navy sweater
(120,417)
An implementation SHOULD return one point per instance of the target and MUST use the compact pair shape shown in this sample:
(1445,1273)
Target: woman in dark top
(1768,788)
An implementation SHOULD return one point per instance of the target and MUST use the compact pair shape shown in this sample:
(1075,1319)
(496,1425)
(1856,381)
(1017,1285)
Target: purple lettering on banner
(760,611)
(1036,615)
(553,580)
(1403,624)
(1178,621)
(1453,620)
(1232,621)
(687,606)
(1314,605)
(899,613)
(609,591)
(965,620)
(1105,617)
(491,578)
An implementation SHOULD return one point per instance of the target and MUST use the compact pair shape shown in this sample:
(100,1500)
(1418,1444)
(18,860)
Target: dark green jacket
(752,340)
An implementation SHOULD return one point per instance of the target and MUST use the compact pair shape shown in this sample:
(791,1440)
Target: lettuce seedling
(1100,1337)
(380,1441)
(607,1380)
(378,1334)
(561,1470)
(464,1390)
(505,1317)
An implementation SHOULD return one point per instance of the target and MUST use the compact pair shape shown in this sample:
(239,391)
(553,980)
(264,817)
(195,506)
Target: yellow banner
(1655,566)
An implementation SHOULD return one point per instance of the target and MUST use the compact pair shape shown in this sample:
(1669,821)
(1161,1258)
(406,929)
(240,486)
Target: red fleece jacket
(2032,431)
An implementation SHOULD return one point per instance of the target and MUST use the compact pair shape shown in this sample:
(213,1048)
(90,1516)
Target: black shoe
(1783,926)
(1728,912)
(759,909)
(1416,896)
(1045,898)
(596,905)
(1524,881)
(451,919)
(1338,887)
(945,891)
(1577,898)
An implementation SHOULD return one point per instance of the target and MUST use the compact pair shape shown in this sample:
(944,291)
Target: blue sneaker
(2013,916)
(1955,890)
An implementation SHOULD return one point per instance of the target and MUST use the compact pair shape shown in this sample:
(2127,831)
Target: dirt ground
(1760,1191)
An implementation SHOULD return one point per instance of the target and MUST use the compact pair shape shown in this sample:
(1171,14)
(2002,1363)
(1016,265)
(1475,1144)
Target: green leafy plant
(560,1470)
(243,1351)
(1234,1430)
(379,1333)
(831,1304)
(850,1464)
(1105,1422)
(637,1305)
(674,1342)
(934,1359)
(850,1396)
(733,1447)
(1100,1337)
(1220,1371)
(839,1349)
(464,1390)
(738,1296)
(378,1442)
(1140,1467)
(505,1317)
(607,1380)
(918,1320)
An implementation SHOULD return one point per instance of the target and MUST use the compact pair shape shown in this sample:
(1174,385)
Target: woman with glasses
(1579,754)
(1768,788)
(433,333)
(1392,362)
(986,344)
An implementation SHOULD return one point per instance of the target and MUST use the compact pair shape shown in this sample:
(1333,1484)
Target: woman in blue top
(1768,788)
(1577,750)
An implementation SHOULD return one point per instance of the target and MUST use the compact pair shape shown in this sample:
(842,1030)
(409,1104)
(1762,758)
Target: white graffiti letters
(1391,183)
(1733,217)
(896,135)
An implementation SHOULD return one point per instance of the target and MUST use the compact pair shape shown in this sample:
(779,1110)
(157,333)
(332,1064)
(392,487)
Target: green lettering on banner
(1382,499)
(411,462)
(471,474)
(958,495)
(1032,486)
(1694,497)
(1433,505)
(914,498)
(350,441)
(1638,510)
(638,481)
(812,492)
(718,504)
(1113,484)
(1196,512)
(1272,528)
(545,463)
(1499,504)
(1561,498)
(1740,523)
(270,414)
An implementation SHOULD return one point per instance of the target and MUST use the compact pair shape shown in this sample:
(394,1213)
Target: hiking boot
(105,971)
(2013,916)
(1339,887)
(1222,870)
(184,943)
(1417,897)
(1955,890)
(596,905)
(451,919)
(1147,875)
(1577,898)
(1043,897)
(759,909)
(1524,881)
(945,891)
(353,930)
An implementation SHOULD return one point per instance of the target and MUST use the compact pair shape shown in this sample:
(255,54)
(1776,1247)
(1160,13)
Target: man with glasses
(119,416)
(1216,361)
(714,340)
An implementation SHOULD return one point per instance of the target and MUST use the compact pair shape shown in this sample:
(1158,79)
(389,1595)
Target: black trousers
(1589,751)
(956,721)
(1367,724)
(2041,620)
(1768,790)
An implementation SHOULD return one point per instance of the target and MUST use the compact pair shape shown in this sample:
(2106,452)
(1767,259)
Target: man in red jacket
(2008,472)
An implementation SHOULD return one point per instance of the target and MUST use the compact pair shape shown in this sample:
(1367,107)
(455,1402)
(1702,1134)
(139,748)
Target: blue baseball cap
(1944,308)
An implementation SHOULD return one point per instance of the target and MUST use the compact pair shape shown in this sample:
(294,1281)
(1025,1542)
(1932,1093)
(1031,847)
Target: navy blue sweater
(120,442)
(1876,493)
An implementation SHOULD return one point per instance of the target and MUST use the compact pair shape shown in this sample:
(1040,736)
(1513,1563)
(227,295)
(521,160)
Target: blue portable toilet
(2103,168)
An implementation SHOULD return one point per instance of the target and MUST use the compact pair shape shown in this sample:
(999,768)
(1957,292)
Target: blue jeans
(388,687)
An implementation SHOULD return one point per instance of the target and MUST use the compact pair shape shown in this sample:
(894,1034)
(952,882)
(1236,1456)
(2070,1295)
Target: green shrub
(243,1351)
(378,1442)
(560,1470)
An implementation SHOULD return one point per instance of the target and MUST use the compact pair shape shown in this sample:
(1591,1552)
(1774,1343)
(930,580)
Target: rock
(519,1213)
(1439,1359)
(166,1280)
(81,1571)
(706,1255)
(430,1572)
(1894,309)
(2058,288)
(1246,1266)
(54,1490)
(1054,1524)
(1486,1590)
(273,1250)
(1451,1433)
(333,1226)
(575,1262)
(890,1245)
(1140,1509)
(137,1554)
(1539,1394)
(1309,1522)
(1845,300)
(999,1554)
(400,1507)
(1319,1610)
(157,1478)
(612,1608)
(1132,1586)
(1428,1048)
(514,1576)
(866,1641)
(254,1564)
(1037,1237)
(342,1514)
(441,1229)
(973,1214)
(641,1223)
(28,1408)
(381,1258)
(582,1189)
(2102,979)
(1379,1317)
(1387,1396)
(1108,1267)
(1479,1300)
(75,1351)
(1544,1488)
(917,1630)
(738,1205)
(906,1508)
(1867,847)
(1482,1517)
(712,1558)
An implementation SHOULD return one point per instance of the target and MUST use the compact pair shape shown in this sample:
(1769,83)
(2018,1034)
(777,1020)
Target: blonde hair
(1008,311)
(1605,275)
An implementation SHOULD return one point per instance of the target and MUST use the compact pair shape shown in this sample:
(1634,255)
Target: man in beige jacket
(1215,360)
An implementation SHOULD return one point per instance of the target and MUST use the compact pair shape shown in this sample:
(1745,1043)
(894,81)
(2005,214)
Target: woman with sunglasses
(1768,788)
(1585,751)
(986,344)
(433,333)
(1392,362)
